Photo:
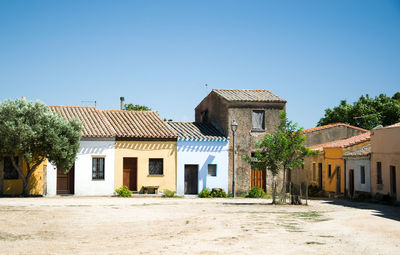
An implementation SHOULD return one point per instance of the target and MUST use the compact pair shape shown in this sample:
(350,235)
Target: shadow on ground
(386,211)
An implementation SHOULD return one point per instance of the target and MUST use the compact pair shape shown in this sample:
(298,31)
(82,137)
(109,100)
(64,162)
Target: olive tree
(30,130)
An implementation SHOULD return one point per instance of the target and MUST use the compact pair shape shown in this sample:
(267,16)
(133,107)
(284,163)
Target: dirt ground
(147,225)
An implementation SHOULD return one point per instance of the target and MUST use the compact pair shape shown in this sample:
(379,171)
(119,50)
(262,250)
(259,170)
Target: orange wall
(334,157)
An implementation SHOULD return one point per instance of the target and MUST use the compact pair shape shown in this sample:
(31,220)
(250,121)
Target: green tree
(136,107)
(30,130)
(282,150)
(366,112)
(293,149)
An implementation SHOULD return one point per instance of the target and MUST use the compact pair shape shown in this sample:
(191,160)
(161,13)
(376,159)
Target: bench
(150,189)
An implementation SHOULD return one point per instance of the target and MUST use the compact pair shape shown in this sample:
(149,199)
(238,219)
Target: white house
(202,157)
(358,170)
(93,171)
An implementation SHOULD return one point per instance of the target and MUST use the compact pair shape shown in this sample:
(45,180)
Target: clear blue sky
(161,53)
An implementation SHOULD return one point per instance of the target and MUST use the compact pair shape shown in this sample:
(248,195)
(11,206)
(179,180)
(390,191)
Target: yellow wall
(306,175)
(143,151)
(15,187)
(333,157)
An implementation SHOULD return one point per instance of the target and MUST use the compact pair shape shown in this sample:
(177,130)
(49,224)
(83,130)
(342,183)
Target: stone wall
(330,134)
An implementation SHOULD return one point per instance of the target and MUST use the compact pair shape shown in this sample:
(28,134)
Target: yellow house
(145,151)
(10,182)
(333,162)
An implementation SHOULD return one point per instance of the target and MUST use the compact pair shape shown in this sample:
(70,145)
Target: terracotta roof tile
(138,124)
(343,143)
(196,130)
(393,125)
(248,95)
(331,126)
(93,121)
(362,151)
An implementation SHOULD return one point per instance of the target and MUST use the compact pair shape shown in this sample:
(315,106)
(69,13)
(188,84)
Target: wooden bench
(150,189)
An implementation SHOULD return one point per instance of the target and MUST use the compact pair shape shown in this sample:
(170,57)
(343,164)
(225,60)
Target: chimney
(122,103)
(23,98)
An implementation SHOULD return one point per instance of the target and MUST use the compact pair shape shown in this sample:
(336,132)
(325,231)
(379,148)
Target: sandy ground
(109,225)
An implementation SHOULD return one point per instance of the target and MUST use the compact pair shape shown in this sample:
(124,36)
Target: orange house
(334,164)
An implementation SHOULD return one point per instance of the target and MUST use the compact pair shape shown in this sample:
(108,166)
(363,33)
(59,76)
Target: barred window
(98,168)
(378,172)
(212,170)
(10,173)
(156,166)
(362,173)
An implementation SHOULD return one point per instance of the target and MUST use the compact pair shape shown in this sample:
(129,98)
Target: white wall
(356,164)
(84,185)
(202,153)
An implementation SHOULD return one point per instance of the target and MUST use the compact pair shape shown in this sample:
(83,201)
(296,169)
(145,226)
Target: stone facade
(333,133)
(222,112)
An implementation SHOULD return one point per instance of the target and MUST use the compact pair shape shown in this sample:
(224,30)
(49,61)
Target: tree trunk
(273,190)
(29,172)
(283,191)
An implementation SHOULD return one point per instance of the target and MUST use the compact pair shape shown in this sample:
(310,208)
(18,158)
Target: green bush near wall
(123,191)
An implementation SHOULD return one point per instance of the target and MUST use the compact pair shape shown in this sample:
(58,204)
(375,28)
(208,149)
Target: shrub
(123,191)
(218,193)
(256,192)
(313,190)
(205,193)
(169,193)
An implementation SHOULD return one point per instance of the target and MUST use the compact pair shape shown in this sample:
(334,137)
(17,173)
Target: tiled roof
(344,143)
(248,95)
(93,121)
(331,126)
(362,151)
(197,131)
(138,124)
(394,125)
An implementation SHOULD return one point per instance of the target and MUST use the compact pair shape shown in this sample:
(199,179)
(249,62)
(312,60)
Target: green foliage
(218,193)
(123,191)
(32,131)
(206,192)
(282,149)
(169,193)
(136,107)
(365,113)
(256,192)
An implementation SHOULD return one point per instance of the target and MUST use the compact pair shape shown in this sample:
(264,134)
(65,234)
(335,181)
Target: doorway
(130,173)
(320,175)
(191,179)
(338,180)
(351,182)
(65,181)
(393,182)
(258,179)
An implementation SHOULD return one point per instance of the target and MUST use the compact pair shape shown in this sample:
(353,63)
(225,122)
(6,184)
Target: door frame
(196,182)
(132,186)
(393,183)
(71,182)
(351,183)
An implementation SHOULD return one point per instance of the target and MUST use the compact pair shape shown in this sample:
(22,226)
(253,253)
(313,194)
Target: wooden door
(65,181)
(393,182)
(191,179)
(130,173)
(320,175)
(351,182)
(258,178)
(338,179)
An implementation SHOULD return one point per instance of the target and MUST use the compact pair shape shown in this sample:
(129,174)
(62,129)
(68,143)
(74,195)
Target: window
(212,170)
(314,171)
(378,172)
(10,173)
(329,170)
(204,116)
(156,166)
(362,173)
(97,168)
(257,120)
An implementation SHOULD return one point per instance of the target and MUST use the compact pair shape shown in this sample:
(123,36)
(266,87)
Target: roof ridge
(127,111)
(74,106)
(331,125)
